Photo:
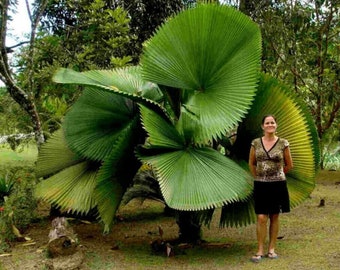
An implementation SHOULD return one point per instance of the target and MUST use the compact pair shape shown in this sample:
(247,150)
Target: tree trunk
(189,227)
(24,99)
(247,6)
(29,106)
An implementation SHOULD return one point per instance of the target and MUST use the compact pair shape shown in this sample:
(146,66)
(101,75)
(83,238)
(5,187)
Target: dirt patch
(327,177)
(129,231)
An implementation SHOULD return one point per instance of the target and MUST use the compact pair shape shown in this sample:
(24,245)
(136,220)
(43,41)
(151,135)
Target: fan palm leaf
(67,175)
(78,185)
(63,188)
(116,175)
(126,82)
(96,121)
(213,54)
(191,178)
(55,156)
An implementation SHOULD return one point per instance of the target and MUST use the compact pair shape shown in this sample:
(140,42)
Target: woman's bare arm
(288,160)
(252,161)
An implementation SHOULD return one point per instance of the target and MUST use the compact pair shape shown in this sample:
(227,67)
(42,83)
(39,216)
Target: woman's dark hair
(267,115)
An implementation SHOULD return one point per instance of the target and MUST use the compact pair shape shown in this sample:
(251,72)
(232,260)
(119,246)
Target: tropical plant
(6,185)
(198,81)
(17,203)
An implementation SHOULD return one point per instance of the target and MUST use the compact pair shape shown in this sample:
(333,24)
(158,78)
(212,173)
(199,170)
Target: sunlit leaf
(71,189)
(54,156)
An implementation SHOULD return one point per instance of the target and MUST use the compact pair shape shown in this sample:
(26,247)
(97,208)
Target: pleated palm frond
(76,185)
(213,54)
(235,214)
(116,175)
(71,189)
(126,82)
(55,156)
(190,178)
(96,121)
(310,123)
(71,180)
(127,79)
(238,214)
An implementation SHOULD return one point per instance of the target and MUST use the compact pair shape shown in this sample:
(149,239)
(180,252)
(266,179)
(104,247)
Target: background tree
(83,35)
(23,96)
(84,18)
(93,33)
(146,16)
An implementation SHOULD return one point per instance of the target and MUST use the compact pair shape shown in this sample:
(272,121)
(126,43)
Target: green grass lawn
(27,153)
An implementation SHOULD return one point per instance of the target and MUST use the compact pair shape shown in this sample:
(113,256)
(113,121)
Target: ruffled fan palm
(198,79)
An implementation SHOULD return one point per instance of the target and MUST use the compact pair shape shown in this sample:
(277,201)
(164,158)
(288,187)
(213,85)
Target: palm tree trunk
(189,227)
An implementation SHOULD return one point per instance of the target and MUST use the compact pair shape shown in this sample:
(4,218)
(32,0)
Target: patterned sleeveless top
(270,164)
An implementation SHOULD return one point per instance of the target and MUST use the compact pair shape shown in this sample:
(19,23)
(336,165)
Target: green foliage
(331,149)
(6,234)
(146,16)
(332,161)
(91,33)
(108,32)
(17,209)
(6,186)
(3,90)
(12,118)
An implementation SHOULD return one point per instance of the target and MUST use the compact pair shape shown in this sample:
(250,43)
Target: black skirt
(271,197)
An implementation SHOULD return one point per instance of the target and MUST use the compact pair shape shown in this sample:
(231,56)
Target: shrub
(17,207)
(6,185)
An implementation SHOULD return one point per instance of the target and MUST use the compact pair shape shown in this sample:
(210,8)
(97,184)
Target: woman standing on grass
(269,161)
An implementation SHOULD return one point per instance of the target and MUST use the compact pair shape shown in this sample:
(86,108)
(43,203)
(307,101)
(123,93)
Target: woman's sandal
(272,255)
(256,258)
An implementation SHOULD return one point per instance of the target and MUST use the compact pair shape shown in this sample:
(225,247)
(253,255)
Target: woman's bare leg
(273,232)
(261,231)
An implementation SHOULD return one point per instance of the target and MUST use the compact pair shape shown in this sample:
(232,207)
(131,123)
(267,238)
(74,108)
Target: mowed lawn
(27,153)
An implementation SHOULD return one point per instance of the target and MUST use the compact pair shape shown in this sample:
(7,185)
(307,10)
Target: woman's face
(269,125)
